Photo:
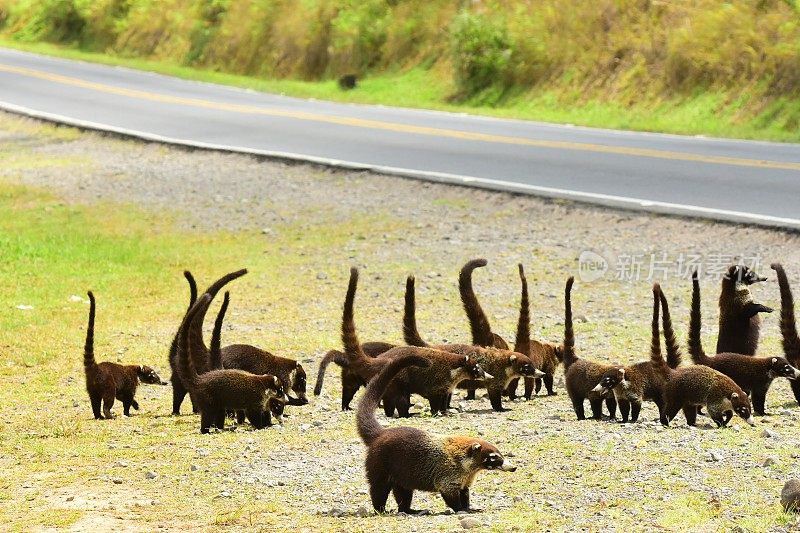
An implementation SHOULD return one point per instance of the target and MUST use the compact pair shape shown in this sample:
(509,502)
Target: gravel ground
(574,475)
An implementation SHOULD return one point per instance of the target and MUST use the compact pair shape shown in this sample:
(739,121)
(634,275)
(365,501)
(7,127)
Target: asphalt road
(749,182)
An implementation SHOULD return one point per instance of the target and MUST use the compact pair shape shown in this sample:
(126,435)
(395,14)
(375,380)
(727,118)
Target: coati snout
(743,274)
(741,406)
(149,376)
(490,458)
(525,367)
(781,368)
(473,369)
(610,379)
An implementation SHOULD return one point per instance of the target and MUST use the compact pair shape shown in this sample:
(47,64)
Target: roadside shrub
(480,51)
(57,21)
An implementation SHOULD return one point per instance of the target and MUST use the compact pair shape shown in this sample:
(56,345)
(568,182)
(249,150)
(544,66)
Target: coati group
(247,382)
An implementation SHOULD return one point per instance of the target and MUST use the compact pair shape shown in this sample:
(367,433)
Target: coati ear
(275,380)
(298,365)
(774,360)
(475,447)
(512,358)
(734,395)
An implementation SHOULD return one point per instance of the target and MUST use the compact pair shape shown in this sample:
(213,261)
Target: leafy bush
(481,53)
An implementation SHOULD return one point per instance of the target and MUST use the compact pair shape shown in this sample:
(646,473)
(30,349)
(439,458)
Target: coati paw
(552,393)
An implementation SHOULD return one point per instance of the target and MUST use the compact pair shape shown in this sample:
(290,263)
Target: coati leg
(624,409)
(597,407)
(206,419)
(379,489)
(465,501)
(219,420)
(577,405)
(126,404)
(611,405)
(532,384)
(671,411)
(134,404)
(511,390)
(752,309)
(403,498)
(759,397)
(452,497)
(240,416)
(108,403)
(349,389)
(690,412)
(256,418)
(438,404)
(548,383)
(96,399)
(636,408)
(496,399)
(471,395)
(795,384)
(178,394)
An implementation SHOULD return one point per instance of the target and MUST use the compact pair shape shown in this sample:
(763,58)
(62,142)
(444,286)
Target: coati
(580,375)
(634,384)
(107,381)
(791,340)
(435,383)
(351,381)
(179,390)
(753,374)
(739,323)
(404,459)
(501,365)
(478,322)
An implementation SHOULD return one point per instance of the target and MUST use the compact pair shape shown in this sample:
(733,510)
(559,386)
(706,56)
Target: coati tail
(410,333)
(655,339)
(522,343)
(352,348)
(88,348)
(186,369)
(673,350)
(569,334)
(192,288)
(478,323)
(216,335)
(695,320)
(791,341)
(368,426)
(333,356)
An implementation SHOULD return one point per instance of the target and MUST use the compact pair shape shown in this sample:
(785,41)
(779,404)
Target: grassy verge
(713,114)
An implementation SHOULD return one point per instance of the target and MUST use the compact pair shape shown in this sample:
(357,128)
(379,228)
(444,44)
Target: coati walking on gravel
(404,459)
(791,340)
(351,381)
(108,381)
(218,391)
(582,376)
(739,323)
(435,383)
(500,365)
(753,374)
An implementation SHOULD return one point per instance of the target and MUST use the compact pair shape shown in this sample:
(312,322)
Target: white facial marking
(488,375)
(751,421)
(734,395)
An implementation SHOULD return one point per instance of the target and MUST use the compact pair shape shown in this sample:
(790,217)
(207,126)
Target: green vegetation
(696,67)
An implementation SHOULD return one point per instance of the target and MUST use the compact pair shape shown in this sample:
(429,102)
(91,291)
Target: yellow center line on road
(396,127)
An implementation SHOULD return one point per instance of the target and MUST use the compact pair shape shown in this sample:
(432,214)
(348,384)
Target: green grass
(707,113)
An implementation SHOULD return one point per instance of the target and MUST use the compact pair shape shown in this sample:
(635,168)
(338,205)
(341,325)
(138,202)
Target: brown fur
(791,340)
(351,381)
(108,381)
(404,459)
(739,323)
(178,390)
(478,322)
(696,386)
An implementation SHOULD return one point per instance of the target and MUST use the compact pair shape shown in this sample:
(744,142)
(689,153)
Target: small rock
(362,511)
(225,494)
(267,231)
(150,475)
(769,461)
(470,522)
(581,318)
(70,498)
(790,496)
(715,457)
(768,434)
(121,464)
(322,275)
(194,468)
(116,480)
(317,423)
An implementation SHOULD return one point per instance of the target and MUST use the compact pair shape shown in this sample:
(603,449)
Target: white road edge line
(605,200)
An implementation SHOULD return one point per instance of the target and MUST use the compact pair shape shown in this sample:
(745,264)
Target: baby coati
(753,374)
(218,391)
(696,386)
(404,459)
(582,376)
(634,384)
(435,383)
(107,381)
(179,390)
(791,340)
(739,323)
(501,366)
(351,381)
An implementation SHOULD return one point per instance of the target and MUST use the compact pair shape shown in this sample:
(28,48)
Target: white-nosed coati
(739,323)
(753,374)
(500,365)
(108,381)
(435,383)
(582,376)
(634,384)
(404,459)
(791,340)
(179,390)
(218,391)
(351,381)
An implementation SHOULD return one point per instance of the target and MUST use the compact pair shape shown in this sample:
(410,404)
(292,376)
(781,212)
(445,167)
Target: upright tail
(655,339)
(478,323)
(695,320)
(791,341)
(522,343)
(352,347)
(569,334)
(673,350)
(333,356)
(88,348)
(368,426)
(192,288)
(410,333)
(216,335)
(186,368)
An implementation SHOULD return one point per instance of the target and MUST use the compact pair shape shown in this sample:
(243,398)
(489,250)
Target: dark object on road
(348,81)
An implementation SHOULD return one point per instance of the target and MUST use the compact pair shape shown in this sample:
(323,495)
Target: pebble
(194,468)
(322,275)
(470,522)
(715,457)
(116,480)
(225,494)
(769,461)
(362,511)
(769,433)
(150,475)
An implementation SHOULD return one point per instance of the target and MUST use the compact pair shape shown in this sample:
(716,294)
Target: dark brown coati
(753,374)
(218,391)
(634,384)
(500,365)
(404,459)
(351,381)
(108,381)
(739,323)
(179,390)
(580,375)
(434,383)
(791,340)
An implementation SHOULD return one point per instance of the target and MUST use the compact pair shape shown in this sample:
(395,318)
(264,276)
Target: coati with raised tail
(106,381)
(404,459)
(753,374)
(582,376)
(791,340)
(202,363)
(218,391)
(435,383)
(500,365)
(694,386)
(351,381)
(739,323)
(634,384)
